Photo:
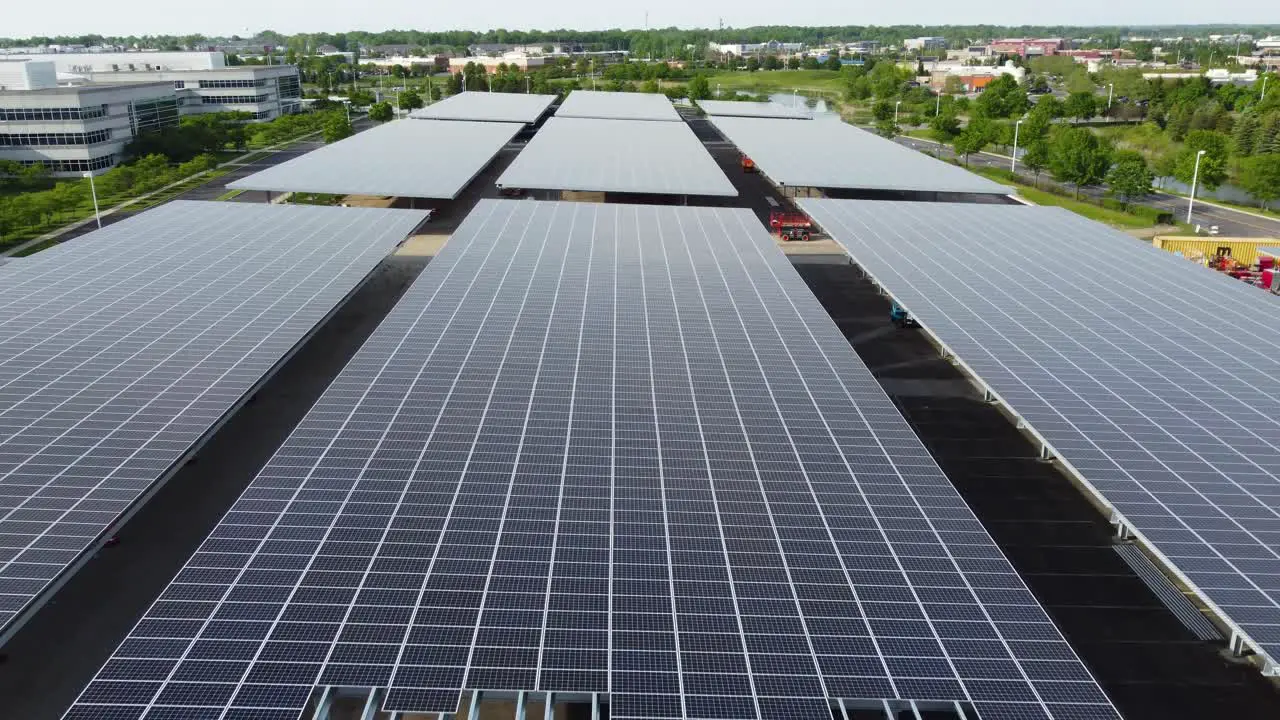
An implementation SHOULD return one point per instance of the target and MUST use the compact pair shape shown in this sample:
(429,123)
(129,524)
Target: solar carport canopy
(631,156)
(618,106)
(733,108)
(484,106)
(402,158)
(1135,366)
(835,154)
(121,350)
(601,449)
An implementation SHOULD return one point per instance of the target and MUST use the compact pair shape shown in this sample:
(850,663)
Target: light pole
(895,111)
(1013,162)
(1195,176)
(528,85)
(593,73)
(1111,89)
(937,104)
(93,190)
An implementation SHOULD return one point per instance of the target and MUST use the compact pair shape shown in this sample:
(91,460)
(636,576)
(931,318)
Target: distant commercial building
(1231,39)
(932,42)
(78,121)
(74,129)
(773,47)
(1028,47)
(972,77)
(434,63)
(863,47)
(82,63)
(491,63)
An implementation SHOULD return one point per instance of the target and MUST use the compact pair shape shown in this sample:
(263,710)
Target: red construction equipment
(748,165)
(790,224)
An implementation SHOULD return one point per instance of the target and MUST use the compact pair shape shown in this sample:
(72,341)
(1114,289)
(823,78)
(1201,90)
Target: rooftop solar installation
(735,108)
(121,350)
(632,156)
(605,449)
(484,106)
(402,158)
(618,106)
(835,154)
(1117,355)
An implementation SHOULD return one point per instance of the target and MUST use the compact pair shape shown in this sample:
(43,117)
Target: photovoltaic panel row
(835,154)
(1134,365)
(402,158)
(120,350)
(629,156)
(600,105)
(487,106)
(736,108)
(600,449)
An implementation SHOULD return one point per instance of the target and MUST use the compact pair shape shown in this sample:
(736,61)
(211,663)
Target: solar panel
(609,449)
(1136,367)
(617,106)
(402,158)
(617,156)
(484,106)
(1272,251)
(121,350)
(835,154)
(735,108)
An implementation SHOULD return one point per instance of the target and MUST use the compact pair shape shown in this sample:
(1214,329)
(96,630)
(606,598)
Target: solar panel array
(617,106)
(835,154)
(617,156)
(120,350)
(600,448)
(402,158)
(485,106)
(735,108)
(1136,366)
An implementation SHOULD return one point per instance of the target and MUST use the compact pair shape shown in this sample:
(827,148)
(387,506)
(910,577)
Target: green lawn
(230,195)
(1115,218)
(813,81)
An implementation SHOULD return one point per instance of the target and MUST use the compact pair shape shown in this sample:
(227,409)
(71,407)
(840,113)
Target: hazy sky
(22,18)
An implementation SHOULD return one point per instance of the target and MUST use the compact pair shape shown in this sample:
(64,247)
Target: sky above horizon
(246,17)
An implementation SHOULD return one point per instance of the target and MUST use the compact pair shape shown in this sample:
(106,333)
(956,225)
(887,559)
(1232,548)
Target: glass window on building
(54,139)
(153,114)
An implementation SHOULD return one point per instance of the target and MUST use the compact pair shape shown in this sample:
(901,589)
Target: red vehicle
(790,224)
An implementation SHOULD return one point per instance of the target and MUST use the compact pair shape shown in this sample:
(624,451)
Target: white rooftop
(493,107)
(617,106)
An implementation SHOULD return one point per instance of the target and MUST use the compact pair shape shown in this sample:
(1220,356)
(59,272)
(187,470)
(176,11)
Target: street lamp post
(528,85)
(1195,176)
(937,104)
(895,111)
(1111,89)
(93,190)
(1013,162)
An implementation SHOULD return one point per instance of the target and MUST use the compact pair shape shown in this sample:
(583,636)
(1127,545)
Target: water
(1229,193)
(816,105)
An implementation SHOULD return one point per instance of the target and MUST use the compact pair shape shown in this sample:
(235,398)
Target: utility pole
(1013,162)
(1111,89)
(93,190)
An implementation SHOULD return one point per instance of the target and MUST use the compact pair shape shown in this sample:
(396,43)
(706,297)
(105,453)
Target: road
(1231,223)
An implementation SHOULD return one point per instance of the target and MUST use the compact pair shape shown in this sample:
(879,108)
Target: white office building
(73,129)
(82,121)
(80,63)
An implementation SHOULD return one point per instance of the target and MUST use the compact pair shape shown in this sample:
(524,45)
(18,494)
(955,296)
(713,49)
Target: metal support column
(371,705)
(1045,453)
(549,710)
(844,711)
(473,710)
(889,714)
(522,705)
(988,396)
(1236,644)
(915,711)
(960,711)
(595,706)
(324,705)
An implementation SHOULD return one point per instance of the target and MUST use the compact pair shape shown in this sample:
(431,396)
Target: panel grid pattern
(632,156)
(600,448)
(486,106)
(120,350)
(401,158)
(1132,383)
(738,108)
(834,154)
(601,105)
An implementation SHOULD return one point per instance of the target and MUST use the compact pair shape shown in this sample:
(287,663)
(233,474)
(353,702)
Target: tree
(753,64)
(1129,177)
(1260,177)
(455,83)
(793,63)
(944,125)
(1244,138)
(699,88)
(336,128)
(888,128)
(953,85)
(809,63)
(833,61)
(650,86)
(380,112)
(882,111)
(1049,107)
(1213,166)
(410,100)
(1080,105)
(1078,157)
(1002,97)
(971,140)
(1036,157)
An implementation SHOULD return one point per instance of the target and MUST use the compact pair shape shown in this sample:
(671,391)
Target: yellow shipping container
(1243,250)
